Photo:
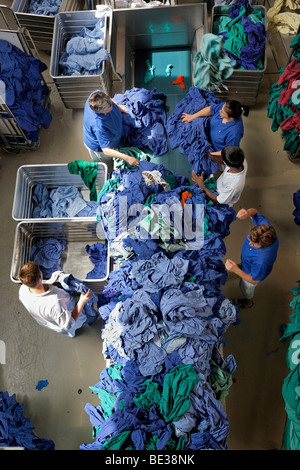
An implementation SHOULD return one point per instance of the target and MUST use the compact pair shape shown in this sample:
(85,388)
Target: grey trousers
(247,289)
(101,157)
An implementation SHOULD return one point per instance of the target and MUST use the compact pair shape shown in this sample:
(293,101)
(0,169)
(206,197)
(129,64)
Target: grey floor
(254,406)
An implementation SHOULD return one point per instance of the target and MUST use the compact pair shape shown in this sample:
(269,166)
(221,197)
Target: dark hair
(234,109)
(263,234)
(29,274)
(233,156)
(99,101)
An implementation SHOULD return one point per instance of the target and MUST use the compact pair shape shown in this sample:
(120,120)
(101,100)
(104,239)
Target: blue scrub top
(101,131)
(258,262)
(223,134)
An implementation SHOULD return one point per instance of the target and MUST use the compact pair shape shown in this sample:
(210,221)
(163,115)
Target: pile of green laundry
(291,385)
(243,30)
(284,104)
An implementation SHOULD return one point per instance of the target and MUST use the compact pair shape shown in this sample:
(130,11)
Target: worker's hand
(230,265)
(199,180)
(54,277)
(133,161)
(86,297)
(186,117)
(242,214)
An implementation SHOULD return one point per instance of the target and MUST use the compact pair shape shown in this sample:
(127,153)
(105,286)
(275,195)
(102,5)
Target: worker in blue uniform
(103,129)
(258,255)
(226,124)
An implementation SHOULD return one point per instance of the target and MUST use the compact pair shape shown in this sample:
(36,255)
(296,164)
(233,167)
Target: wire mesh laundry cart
(74,259)
(12,136)
(242,85)
(41,26)
(51,176)
(75,89)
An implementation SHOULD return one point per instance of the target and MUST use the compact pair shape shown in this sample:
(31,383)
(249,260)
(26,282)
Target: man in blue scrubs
(226,124)
(258,255)
(103,129)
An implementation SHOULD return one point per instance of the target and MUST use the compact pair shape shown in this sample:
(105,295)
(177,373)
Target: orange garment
(184,197)
(179,81)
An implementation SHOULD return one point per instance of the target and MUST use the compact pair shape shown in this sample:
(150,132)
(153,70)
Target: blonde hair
(99,101)
(263,234)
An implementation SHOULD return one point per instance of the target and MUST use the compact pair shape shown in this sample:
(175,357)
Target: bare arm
(116,154)
(205,112)
(215,157)
(234,268)
(246,213)
(84,298)
(199,180)
(121,107)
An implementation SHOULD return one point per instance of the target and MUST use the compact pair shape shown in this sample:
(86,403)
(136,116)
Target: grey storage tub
(74,90)
(41,27)
(52,176)
(243,85)
(74,260)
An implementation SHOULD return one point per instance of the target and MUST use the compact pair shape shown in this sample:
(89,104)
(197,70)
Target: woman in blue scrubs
(226,123)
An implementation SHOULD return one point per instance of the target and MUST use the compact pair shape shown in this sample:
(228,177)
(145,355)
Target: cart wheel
(293,157)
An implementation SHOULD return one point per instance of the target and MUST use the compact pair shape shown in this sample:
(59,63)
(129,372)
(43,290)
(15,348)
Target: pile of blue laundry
(144,123)
(164,319)
(47,253)
(44,7)
(15,429)
(64,201)
(193,139)
(25,93)
(84,53)
(244,35)
(296,212)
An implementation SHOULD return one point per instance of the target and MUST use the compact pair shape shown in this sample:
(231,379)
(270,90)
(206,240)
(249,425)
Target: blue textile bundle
(15,429)
(64,201)
(144,123)
(46,252)
(84,54)
(44,7)
(296,212)
(165,317)
(192,138)
(25,92)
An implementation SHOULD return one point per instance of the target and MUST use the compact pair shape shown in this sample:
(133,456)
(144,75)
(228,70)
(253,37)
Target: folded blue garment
(15,429)
(98,256)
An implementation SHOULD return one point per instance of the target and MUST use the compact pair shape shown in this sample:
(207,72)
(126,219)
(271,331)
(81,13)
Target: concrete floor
(254,406)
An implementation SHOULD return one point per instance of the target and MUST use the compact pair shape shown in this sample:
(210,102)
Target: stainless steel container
(242,85)
(74,260)
(41,27)
(51,176)
(74,90)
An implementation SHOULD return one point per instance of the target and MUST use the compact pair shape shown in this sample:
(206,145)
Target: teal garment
(107,401)
(132,152)
(291,384)
(88,172)
(109,185)
(178,384)
(211,65)
(220,380)
(151,396)
(117,442)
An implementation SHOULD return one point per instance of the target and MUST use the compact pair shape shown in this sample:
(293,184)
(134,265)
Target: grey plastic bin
(243,85)
(74,260)
(41,27)
(74,90)
(52,176)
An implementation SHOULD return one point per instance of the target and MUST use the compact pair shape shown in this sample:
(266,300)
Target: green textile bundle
(291,385)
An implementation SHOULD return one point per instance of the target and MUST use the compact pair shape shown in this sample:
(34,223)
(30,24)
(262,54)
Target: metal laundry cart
(75,89)
(12,137)
(51,176)
(41,26)
(74,259)
(242,85)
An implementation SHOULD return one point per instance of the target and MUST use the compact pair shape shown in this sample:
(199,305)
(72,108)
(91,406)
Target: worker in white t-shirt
(50,306)
(231,182)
